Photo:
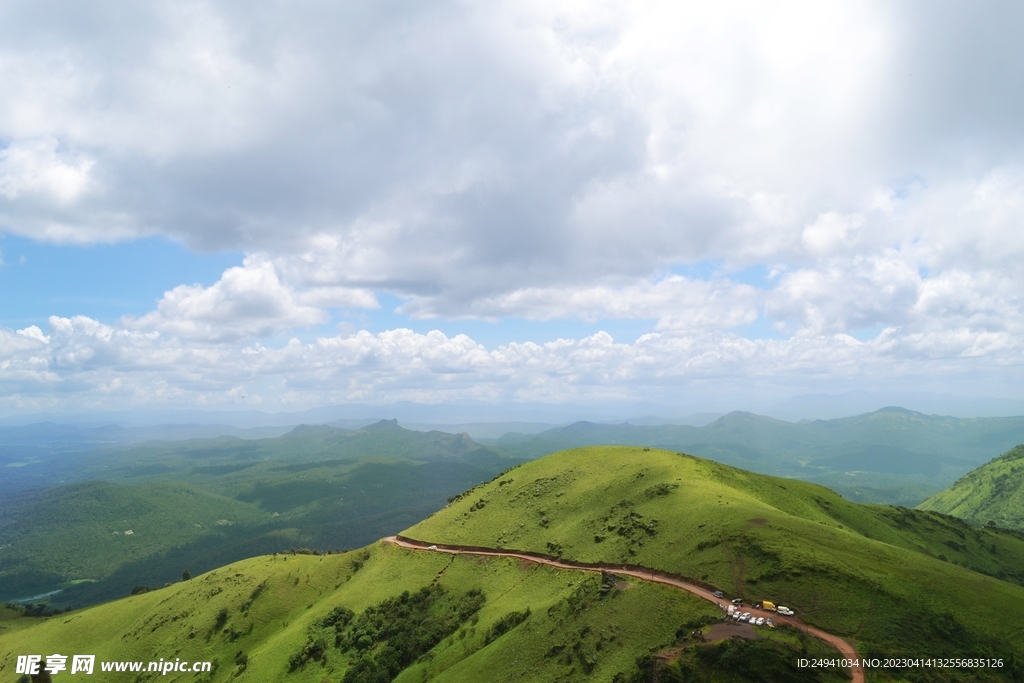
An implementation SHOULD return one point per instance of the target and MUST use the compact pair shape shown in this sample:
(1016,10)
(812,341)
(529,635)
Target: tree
(186,575)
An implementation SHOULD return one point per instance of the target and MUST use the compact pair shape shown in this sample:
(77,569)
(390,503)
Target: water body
(36,597)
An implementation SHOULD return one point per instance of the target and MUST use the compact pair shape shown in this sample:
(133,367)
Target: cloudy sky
(287,205)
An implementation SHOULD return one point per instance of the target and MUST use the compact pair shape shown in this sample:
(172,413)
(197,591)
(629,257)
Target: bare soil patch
(725,631)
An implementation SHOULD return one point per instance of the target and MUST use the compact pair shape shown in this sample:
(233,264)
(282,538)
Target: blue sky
(102,281)
(678,204)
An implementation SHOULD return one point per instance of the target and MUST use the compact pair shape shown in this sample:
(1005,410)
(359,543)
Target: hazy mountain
(890,455)
(204,502)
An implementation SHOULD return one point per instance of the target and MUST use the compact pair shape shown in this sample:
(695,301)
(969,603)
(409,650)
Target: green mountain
(892,580)
(992,494)
(203,503)
(84,532)
(892,455)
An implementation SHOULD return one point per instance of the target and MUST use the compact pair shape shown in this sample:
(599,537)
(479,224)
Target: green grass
(867,572)
(588,631)
(991,494)
(851,569)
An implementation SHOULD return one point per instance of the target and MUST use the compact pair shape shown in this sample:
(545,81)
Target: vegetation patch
(505,624)
(739,661)
(386,638)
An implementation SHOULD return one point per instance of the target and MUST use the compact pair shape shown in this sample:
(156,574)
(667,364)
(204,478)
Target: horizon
(534,417)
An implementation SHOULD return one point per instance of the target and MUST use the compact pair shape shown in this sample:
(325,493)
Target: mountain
(42,454)
(892,580)
(992,494)
(887,577)
(202,503)
(892,455)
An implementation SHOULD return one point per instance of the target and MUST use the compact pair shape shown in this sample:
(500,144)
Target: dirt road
(848,651)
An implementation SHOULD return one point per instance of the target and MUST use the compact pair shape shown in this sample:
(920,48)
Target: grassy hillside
(992,494)
(890,578)
(278,619)
(871,573)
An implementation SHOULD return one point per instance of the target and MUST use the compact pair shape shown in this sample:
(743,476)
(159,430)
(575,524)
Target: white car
(760,621)
(433,547)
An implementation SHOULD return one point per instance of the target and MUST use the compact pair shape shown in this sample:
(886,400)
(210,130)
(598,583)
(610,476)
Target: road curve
(847,650)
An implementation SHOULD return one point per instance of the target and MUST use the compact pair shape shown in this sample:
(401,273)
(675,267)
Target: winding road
(847,650)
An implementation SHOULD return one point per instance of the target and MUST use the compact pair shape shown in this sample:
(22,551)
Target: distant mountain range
(891,455)
(204,502)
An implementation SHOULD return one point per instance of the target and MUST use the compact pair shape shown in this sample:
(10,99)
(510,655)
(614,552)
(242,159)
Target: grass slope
(871,573)
(991,494)
(253,617)
(860,571)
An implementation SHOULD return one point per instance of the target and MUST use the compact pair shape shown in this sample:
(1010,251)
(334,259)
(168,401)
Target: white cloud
(37,168)
(531,160)
(88,364)
(247,301)
(674,301)
(33,332)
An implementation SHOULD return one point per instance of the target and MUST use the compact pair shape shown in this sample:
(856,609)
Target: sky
(686,205)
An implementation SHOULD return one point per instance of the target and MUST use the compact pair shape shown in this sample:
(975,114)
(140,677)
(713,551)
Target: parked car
(719,594)
(433,547)
(737,601)
(760,621)
(770,623)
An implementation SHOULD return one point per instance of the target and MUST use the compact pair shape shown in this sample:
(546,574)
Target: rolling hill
(888,577)
(199,504)
(992,494)
(893,580)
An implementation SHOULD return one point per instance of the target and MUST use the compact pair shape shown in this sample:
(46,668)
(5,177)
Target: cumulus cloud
(247,301)
(533,160)
(674,301)
(86,363)
(37,168)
